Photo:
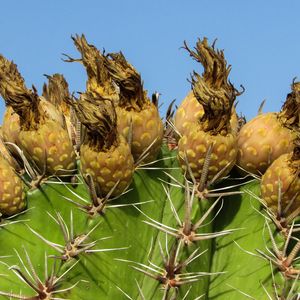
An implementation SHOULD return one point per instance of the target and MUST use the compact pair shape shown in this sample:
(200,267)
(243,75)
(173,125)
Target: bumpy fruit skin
(11,121)
(147,127)
(190,111)
(11,126)
(108,167)
(280,171)
(12,195)
(195,145)
(49,146)
(261,141)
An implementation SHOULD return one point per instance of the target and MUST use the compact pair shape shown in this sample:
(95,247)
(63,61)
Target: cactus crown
(99,81)
(99,117)
(290,111)
(213,90)
(14,92)
(132,94)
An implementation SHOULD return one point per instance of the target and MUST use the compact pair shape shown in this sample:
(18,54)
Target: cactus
(163,234)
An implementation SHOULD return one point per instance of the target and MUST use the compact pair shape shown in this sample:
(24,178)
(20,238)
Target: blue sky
(261,40)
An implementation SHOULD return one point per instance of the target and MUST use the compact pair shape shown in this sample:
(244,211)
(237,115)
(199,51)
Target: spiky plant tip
(99,80)
(212,89)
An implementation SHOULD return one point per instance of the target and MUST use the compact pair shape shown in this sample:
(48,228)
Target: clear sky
(261,40)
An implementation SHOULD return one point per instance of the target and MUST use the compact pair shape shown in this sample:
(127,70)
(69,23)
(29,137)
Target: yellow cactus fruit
(281,183)
(6,152)
(42,136)
(12,195)
(190,111)
(209,143)
(137,115)
(105,154)
(11,126)
(269,135)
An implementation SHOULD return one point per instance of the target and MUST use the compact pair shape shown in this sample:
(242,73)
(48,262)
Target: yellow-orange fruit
(41,135)
(12,195)
(190,111)
(195,145)
(7,154)
(147,129)
(11,126)
(208,139)
(261,141)
(107,168)
(11,120)
(281,175)
(49,146)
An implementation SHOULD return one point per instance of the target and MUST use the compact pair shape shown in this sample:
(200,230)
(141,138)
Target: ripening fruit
(99,83)
(12,195)
(282,177)
(138,116)
(267,136)
(42,136)
(112,77)
(11,121)
(105,154)
(212,129)
(11,126)
(190,111)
